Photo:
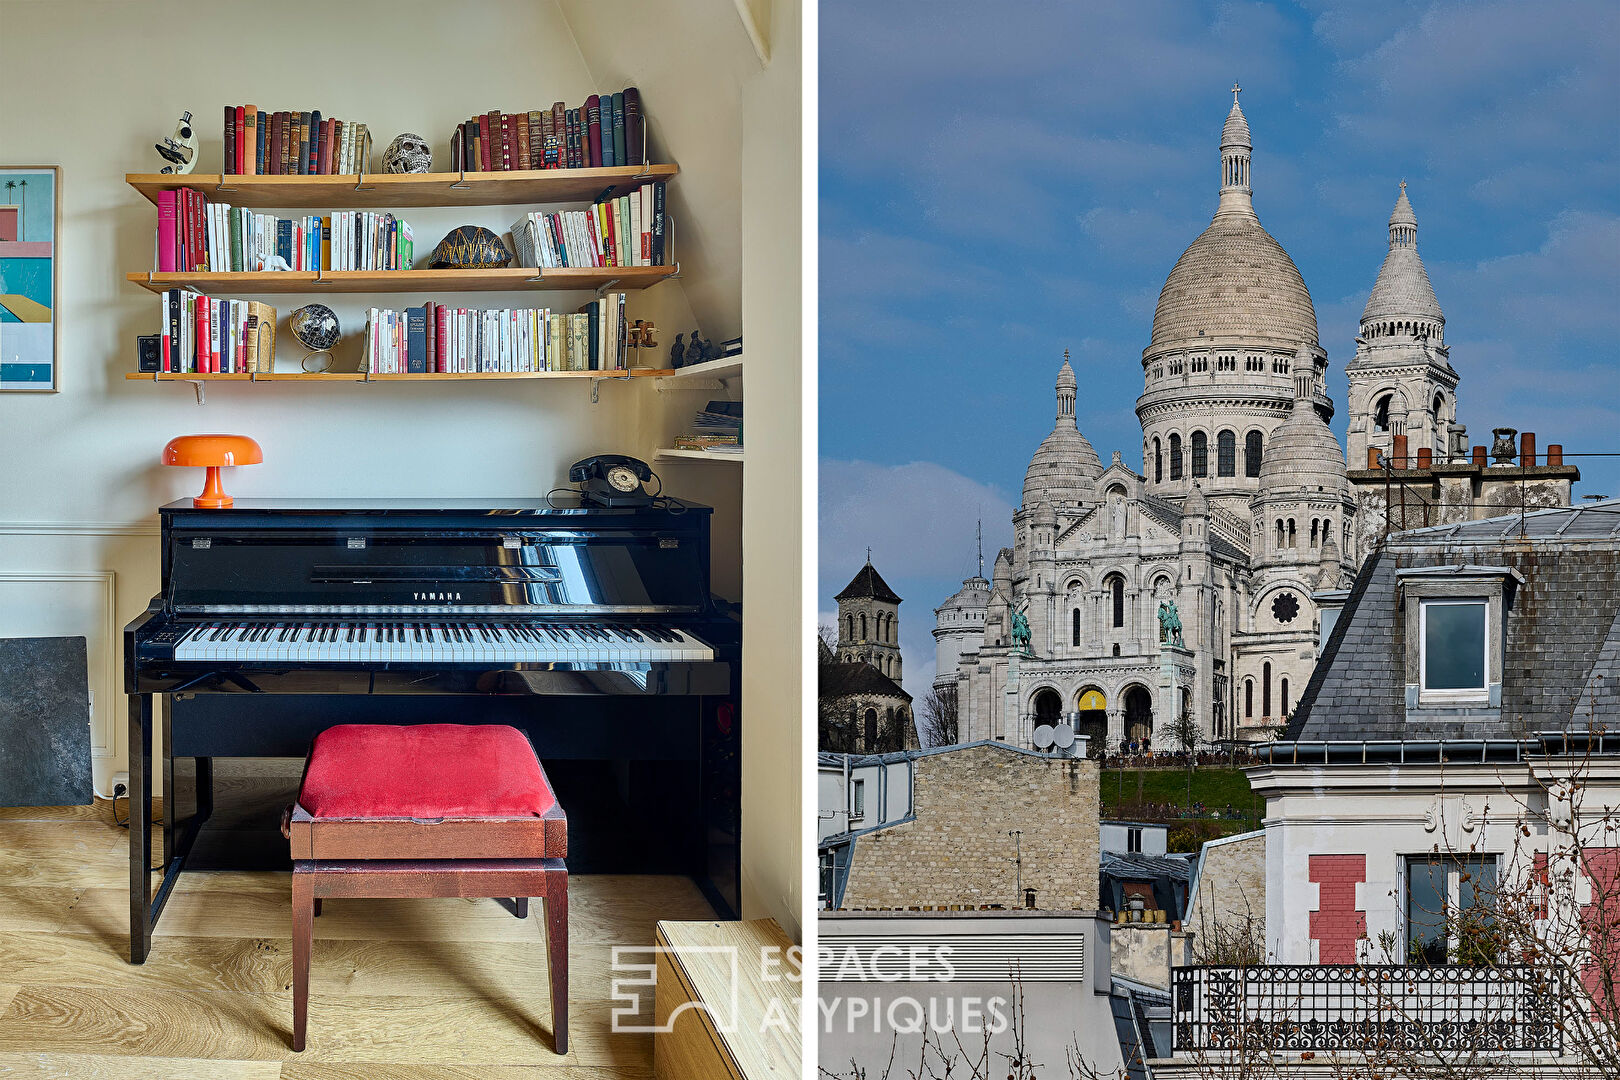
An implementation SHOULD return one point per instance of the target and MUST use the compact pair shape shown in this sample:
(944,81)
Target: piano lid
(488,506)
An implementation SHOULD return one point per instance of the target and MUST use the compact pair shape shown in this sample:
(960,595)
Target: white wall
(91,84)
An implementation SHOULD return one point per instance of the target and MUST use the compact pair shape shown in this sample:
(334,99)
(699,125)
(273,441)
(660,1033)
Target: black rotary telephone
(612,480)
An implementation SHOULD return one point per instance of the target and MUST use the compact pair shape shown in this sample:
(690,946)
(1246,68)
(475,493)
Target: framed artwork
(30,229)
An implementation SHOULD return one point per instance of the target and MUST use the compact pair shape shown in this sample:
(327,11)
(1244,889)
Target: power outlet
(120,780)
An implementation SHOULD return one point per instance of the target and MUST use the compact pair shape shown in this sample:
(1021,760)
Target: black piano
(591,629)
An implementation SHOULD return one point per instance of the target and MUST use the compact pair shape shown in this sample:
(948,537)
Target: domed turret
(1303,454)
(1064,468)
(1402,294)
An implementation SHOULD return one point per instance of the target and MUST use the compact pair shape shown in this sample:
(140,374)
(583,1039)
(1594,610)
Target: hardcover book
(228,161)
(635,142)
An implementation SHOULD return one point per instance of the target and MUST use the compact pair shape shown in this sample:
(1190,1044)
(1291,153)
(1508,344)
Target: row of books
(717,429)
(630,230)
(609,129)
(259,143)
(209,334)
(194,235)
(438,339)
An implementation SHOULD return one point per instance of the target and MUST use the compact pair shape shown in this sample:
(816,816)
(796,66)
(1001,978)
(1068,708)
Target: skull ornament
(408,153)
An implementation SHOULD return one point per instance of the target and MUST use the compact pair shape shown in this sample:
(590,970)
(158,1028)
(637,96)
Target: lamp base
(213,496)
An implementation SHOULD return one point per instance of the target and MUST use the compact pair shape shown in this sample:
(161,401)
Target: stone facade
(1229,901)
(957,850)
(1146,952)
(1243,512)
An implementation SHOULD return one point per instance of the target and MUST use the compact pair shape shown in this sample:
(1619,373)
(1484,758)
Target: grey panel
(44,722)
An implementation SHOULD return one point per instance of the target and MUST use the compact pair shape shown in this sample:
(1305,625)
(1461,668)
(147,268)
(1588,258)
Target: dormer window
(1452,649)
(1455,618)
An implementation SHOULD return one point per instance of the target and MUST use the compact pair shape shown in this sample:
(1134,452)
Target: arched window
(1251,454)
(1313,532)
(1381,413)
(871,729)
(1248,699)
(1158,462)
(851,620)
(1265,689)
(1076,626)
(1292,538)
(1175,457)
(1285,696)
(863,626)
(1439,406)
(1225,454)
(1282,534)
(1117,584)
(1200,454)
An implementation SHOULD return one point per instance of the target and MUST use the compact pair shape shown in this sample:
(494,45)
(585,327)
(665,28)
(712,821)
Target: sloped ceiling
(690,61)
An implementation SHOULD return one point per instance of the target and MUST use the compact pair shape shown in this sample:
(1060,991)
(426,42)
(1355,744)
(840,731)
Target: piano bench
(427,810)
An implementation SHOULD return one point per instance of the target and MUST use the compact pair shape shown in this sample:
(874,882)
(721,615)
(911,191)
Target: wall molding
(79,528)
(103,725)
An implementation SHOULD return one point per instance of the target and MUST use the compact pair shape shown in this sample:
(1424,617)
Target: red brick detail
(1337,924)
(1600,918)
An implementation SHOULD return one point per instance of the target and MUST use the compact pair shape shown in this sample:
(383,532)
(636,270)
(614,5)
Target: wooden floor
(399,989)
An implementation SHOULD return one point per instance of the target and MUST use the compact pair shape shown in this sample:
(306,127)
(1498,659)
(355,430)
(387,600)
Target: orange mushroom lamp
(212,452)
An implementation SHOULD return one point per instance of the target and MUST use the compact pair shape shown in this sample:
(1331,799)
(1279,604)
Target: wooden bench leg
(303,902)
(520,906)
(557,953)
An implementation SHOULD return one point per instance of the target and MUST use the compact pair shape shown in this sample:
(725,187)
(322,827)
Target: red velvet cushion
(424,771)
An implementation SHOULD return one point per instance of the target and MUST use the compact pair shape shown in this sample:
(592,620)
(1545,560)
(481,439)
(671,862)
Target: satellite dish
(1044,736)
(1063,735)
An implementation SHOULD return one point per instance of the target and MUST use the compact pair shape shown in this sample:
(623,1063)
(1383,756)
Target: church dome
(1303,454)
(1064,469)
(1234,281)
(974,595)
(1402,289)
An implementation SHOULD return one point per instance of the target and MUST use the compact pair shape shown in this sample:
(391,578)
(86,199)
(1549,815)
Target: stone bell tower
(869,622)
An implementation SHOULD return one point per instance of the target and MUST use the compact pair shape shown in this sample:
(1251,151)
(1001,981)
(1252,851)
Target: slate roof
(868,582)
(1134,864)
(843,680)
(1563,631)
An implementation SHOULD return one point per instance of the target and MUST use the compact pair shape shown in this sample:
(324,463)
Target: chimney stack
(1372,457)
(1479,455)
(1527,448)
(1425,457)
(1400,452)
(1555,453)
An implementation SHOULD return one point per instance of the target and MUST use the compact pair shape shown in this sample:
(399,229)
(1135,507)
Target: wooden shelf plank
(694,455)
(506,279)
(414,189)
(359,376)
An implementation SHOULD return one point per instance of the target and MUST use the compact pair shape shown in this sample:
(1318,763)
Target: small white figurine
(273,262)
(180,149)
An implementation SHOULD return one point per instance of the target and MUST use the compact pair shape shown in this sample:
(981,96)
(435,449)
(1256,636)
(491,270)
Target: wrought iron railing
(1351,1007)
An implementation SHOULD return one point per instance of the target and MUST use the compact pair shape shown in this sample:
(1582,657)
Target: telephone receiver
(582,470)
(612,480)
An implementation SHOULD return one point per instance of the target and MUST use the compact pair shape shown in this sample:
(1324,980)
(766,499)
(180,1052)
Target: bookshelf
(391,190)
(361,376)
(395,190)
(505,279)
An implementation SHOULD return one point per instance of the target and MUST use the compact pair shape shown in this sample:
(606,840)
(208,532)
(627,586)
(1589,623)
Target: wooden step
(711,965)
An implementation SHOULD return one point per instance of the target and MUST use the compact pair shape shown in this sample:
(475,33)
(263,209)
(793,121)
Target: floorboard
(443,989)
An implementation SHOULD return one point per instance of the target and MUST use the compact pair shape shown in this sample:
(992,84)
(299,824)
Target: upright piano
(592,629)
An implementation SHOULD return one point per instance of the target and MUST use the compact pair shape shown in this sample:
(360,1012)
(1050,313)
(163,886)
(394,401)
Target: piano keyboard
(367,642)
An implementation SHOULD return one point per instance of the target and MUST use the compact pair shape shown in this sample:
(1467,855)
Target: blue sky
(1000,182)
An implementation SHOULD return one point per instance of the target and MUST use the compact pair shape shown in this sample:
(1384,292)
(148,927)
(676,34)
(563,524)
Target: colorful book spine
(619,155)
(228,160)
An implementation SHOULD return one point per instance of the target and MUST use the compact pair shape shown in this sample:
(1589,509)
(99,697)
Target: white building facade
(1241,511)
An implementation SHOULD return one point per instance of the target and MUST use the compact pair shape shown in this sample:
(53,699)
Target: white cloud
(918,519)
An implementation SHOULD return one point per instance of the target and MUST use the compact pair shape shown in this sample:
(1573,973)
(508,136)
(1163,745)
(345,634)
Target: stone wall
(958,851)
(1230,905)
(1147,951)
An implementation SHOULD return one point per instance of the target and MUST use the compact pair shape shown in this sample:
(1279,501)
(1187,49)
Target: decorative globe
(408,153)
(470,247)
(316,327)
